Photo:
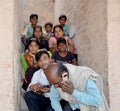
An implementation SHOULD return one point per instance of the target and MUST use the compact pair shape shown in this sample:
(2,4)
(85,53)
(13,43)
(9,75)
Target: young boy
(28,30)
(48,28)
(62,55)
(37,95)
(62,21)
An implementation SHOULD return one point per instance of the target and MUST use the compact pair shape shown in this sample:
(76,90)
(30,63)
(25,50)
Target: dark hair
(29,41)
(61,40)
(33,15)
(40,53)
(48,23)
(57,26)
(61,68)
(63,16)
(37,26)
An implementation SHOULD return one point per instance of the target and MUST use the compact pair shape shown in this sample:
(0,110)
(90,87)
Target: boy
(48,31)
(62,20)
(37,95)
(62,55)
(28,30)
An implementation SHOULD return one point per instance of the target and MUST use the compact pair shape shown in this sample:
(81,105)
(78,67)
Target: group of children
(54,39)
(54,42)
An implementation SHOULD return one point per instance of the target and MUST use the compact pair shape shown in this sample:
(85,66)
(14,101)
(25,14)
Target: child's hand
(36,87)
(45,89)
(70,42)
(32,55)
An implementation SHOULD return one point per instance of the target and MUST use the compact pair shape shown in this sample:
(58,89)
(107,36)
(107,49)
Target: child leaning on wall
(32,48)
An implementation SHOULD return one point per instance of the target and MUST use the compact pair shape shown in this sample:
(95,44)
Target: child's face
(44,61)
(62,47)
(38,33)
(62,21)
(48,28)
(59,32)
(34,21)
(33,47)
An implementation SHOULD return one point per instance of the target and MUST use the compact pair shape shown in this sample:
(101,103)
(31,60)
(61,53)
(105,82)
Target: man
(83,89)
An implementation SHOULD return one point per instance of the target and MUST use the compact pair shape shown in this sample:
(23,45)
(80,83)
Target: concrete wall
(90,19)
(9,56)
(113,33)
(18,23)
(44,9)
(98,43)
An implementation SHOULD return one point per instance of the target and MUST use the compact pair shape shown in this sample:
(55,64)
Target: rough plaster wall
(114,53)
(16,53)
(6,55)
(9,57)
(44,9)
(90,19)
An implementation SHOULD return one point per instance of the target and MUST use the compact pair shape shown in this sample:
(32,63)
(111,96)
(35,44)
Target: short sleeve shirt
(67,59)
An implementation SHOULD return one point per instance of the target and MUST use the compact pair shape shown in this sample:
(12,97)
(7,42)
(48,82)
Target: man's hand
(67,87)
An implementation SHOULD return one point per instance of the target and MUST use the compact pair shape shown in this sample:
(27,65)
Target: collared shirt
(91,97)
(39,77)
(66,30)
(28,31)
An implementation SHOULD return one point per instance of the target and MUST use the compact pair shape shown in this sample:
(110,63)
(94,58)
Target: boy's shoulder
(66,26)
(39,71)
(28,26)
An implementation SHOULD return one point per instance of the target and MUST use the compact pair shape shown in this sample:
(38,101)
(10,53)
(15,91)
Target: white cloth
(79,75)
(39,77)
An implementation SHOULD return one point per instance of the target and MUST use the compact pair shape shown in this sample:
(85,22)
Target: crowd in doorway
(53,80)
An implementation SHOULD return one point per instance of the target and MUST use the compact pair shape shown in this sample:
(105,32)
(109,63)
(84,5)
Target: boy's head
(33,19)
(43,58)
(48,27)
(61,44)
(62,20)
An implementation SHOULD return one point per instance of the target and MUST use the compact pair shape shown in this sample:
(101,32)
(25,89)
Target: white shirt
(39,77)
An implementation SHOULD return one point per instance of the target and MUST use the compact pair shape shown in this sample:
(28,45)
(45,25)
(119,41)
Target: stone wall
(113,34)
(44,9)
(10,56)
(17,50)
(90,19)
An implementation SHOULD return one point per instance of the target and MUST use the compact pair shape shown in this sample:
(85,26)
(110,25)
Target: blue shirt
(66,30)
(91,97)
(28,31)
